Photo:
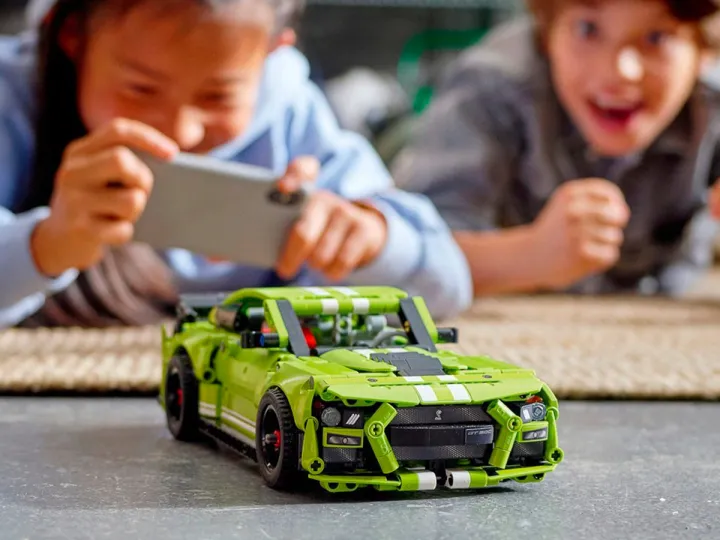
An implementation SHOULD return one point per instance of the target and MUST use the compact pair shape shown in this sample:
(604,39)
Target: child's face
(623,69)
(190,74)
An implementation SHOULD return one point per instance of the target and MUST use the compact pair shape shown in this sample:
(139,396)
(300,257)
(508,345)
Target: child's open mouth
(614,115)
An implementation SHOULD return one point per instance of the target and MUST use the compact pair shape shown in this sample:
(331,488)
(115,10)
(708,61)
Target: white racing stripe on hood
(426,394)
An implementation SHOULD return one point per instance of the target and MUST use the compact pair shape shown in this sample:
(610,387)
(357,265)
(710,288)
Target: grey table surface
(107,468)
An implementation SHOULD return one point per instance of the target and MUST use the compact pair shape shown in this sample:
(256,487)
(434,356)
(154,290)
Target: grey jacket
(495,144)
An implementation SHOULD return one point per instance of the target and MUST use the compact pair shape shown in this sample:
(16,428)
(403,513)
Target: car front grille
(450,433)
(438,433)
(426,433)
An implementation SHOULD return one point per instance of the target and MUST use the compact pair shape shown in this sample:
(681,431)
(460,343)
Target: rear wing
(192,307)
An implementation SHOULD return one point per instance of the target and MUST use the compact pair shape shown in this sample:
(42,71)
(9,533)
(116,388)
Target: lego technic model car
(347,387)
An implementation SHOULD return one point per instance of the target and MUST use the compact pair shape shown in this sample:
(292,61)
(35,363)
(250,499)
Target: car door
(235,414)
(260,365)
(247,370)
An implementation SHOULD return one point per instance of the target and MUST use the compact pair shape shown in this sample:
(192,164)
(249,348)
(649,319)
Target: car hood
(413,376)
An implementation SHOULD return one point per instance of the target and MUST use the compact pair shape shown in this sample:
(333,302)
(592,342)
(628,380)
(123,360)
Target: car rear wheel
(181,399)
(276,441)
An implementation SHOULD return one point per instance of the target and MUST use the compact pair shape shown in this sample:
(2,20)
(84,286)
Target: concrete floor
(105,468)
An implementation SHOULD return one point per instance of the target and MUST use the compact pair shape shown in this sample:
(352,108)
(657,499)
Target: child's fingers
(599,255)
(99,230)
(119,204)
(603,234)
(130,133)
(603,212)
(350,255)
(112,232)
(301,171)
(117,165)
(598,198)
(304,236)
(331,240)
(600,188)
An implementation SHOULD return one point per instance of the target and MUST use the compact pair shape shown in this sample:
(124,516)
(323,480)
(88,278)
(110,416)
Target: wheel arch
(299,392)
(201,352)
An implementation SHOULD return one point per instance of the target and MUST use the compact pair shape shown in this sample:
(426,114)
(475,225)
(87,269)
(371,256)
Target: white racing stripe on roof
(396,349)
(330,306)
(459,392)
(413,379)
(345,290)
(361,305)
(426,393)
(365,352)
(446,378)
(317,291)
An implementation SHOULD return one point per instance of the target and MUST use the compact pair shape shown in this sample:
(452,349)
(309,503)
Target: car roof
(327,299)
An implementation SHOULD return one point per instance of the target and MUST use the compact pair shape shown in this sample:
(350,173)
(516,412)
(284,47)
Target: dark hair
(703,12)
(58,120)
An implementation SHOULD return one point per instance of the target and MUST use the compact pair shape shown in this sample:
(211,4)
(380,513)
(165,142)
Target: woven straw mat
(584,348)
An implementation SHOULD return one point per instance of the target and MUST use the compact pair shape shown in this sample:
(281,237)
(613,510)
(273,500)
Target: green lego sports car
(347,387)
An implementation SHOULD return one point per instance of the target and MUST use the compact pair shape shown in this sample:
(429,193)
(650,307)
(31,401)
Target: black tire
(276,442)
(181,399)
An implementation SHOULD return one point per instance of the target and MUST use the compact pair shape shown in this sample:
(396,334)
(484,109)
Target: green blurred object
(391,140)
(417,47)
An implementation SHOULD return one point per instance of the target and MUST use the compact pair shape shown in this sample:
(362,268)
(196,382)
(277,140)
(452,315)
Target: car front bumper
(427,448)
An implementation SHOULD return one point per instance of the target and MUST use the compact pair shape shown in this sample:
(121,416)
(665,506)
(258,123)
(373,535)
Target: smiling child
(104,79)
(574,150)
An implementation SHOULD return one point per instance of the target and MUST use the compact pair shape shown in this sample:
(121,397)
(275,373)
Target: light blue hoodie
(292,119)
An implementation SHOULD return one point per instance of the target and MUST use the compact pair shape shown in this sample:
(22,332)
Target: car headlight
(533,412)
(344,440)
(331,417)
(535,435)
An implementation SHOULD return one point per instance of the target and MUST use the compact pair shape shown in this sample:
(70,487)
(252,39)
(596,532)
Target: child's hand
(715,200)
(334,236)
(101,189)
(580,231)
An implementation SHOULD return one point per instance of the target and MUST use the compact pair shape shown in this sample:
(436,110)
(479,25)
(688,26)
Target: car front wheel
(276,441)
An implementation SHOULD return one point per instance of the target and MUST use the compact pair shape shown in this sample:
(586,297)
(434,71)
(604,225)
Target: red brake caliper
(180,396)
(277,439)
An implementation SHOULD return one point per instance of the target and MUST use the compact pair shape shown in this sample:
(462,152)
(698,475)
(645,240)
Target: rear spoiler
(193,306)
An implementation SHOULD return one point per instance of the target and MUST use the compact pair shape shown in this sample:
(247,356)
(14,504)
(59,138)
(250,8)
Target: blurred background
(377,60)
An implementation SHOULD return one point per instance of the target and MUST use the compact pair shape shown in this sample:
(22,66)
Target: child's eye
(657,37)
(218,98)
(142,89)
(587,29)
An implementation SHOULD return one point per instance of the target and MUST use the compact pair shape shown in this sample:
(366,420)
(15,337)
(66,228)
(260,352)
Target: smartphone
(223,210)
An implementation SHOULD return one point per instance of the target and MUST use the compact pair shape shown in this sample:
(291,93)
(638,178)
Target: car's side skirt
(230,437)
(231,423)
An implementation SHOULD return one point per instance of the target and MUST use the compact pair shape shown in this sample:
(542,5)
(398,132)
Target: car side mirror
(447,335)
(259,340)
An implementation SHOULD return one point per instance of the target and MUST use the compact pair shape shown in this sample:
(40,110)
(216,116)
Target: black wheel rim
(174,393)
(270,439)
